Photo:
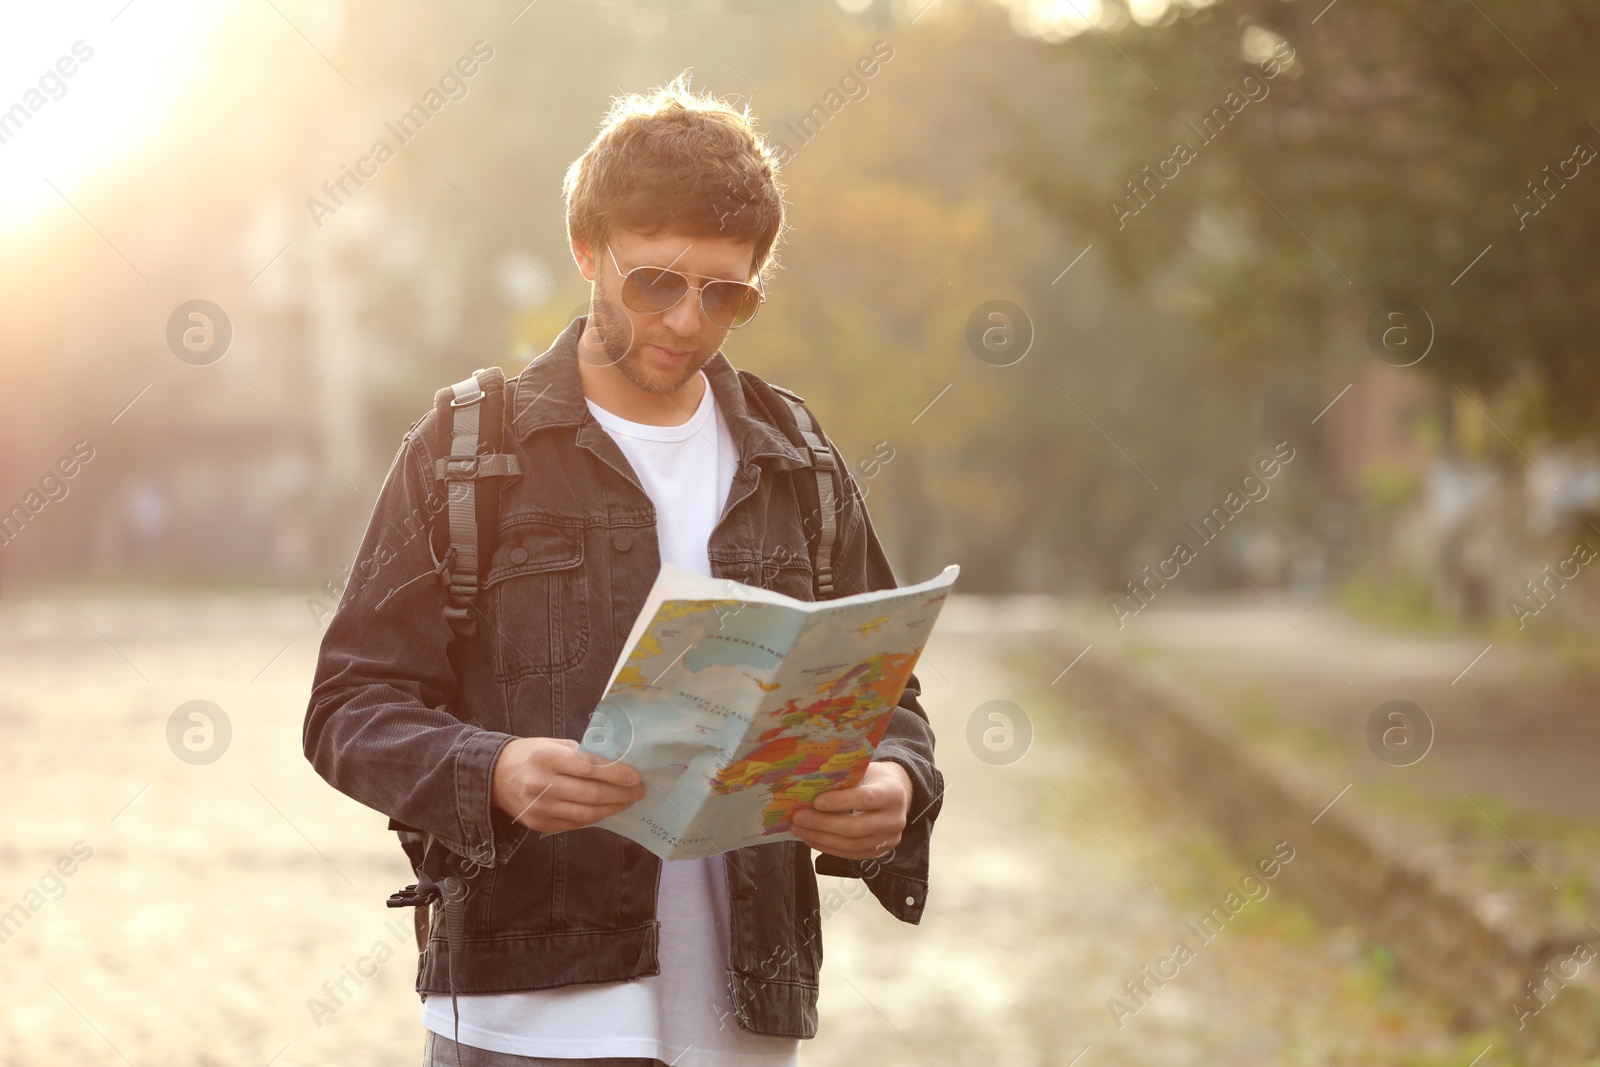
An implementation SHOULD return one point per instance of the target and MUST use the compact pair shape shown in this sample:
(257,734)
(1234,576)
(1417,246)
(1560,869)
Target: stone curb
(1446,935)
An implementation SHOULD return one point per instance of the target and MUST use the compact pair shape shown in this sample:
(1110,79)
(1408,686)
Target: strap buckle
(412,896)
(467,392)
(455,468)
(461,617)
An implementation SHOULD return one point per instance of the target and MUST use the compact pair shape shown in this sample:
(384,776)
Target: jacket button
(519,555)
(623,541)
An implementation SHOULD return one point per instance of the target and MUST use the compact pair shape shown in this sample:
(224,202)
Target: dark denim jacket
(411,728)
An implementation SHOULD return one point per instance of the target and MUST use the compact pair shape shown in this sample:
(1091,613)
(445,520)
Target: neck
(606,385)
(610,388)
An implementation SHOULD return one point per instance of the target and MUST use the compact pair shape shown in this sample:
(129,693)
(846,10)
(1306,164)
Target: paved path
(1504,796)
(1056,880)
(219,899)
(1513,714)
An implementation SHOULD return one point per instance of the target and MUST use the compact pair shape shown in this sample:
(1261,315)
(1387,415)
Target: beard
(615,336)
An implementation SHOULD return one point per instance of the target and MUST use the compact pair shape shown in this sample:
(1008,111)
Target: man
(638,444)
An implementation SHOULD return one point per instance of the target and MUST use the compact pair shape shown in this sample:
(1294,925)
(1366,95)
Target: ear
(583,256)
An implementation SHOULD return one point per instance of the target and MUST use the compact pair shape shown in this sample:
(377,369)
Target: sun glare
(86,88)
(1056,20)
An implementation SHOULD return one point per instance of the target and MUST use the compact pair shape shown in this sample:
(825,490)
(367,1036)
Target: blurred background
(1241,353)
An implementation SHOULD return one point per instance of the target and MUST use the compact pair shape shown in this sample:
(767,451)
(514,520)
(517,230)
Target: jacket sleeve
(900,880)
(378,728)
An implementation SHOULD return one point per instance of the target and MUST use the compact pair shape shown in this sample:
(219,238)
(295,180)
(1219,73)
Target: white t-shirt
(683,1015)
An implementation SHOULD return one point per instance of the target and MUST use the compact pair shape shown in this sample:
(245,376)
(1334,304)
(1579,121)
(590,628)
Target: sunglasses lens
(649,289)
(730,304)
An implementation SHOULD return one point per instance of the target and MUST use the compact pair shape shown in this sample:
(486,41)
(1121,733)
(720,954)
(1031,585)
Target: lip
(669,355)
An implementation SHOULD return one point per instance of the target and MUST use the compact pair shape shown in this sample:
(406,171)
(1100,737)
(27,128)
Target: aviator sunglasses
(728,304)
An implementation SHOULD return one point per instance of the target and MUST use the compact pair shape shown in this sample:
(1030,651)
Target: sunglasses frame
(698,290)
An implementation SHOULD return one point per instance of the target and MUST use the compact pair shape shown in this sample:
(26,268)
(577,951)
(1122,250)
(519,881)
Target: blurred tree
(1430,150)
(1076,465)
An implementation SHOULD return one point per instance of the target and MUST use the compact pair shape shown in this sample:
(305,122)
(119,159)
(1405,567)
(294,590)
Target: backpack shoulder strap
(471,431)
(819,503)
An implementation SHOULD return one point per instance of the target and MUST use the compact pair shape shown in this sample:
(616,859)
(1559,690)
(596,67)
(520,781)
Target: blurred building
(1445,507)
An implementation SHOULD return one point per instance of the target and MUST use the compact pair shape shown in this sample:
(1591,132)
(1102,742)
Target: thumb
(837,799)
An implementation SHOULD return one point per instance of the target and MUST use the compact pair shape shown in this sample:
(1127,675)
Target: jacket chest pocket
(536,595)
(779,568)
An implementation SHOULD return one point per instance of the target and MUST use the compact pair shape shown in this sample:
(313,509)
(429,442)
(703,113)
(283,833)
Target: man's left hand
(860,822)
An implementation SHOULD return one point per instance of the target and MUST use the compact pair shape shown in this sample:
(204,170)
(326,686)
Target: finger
(594,791)
(852,835)
(540,795)
(851,847)
(536,816)
(582,792)
(581,764)
(583,814)
(548,823)
(858,797)
(864,825)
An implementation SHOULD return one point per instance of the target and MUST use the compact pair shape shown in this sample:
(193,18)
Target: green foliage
(1386,489)
(1391,152)
(1403,602)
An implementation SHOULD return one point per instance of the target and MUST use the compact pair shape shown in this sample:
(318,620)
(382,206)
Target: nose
(683,318)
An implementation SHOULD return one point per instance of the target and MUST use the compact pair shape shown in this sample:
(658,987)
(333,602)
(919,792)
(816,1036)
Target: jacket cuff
(900,879)
(488,836)
(902,895)
(927,784)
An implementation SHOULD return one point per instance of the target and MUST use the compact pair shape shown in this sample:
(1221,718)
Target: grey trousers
(440,1051)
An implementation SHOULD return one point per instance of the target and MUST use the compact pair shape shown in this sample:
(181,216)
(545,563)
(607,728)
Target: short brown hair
(679,161)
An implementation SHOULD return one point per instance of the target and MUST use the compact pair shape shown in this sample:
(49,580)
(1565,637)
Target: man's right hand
(550,784)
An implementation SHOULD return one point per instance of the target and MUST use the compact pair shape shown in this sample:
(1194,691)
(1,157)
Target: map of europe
(819,745)
(739,706)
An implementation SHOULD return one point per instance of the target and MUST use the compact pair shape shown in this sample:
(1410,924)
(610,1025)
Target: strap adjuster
(413,896)
(452,468)
(468,391)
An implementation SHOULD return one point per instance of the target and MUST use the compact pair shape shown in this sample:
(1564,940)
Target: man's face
(657,352)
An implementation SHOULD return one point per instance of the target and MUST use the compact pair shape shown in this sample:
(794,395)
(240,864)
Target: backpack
(470,432)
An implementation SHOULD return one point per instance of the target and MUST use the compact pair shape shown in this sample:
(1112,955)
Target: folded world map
(738,705)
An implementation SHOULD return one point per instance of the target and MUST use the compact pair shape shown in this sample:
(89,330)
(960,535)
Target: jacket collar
(551,394)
